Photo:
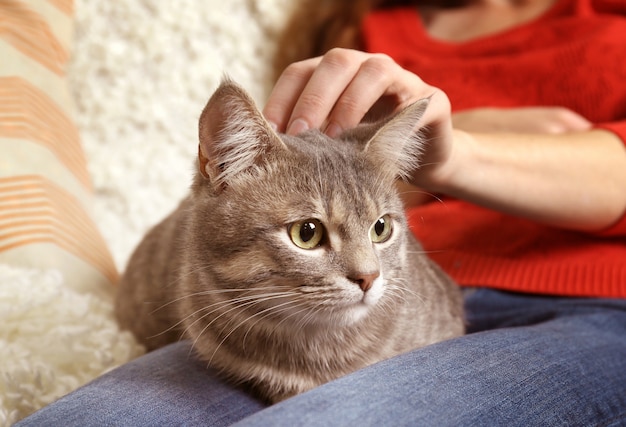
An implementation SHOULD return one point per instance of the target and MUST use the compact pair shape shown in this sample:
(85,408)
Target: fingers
(326,86)
(375,78)
(287,91)
(334,92)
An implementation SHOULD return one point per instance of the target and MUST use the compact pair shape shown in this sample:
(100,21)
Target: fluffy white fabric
(52,340)
(141,73)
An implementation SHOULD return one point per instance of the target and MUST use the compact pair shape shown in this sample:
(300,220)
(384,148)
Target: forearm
(573,180)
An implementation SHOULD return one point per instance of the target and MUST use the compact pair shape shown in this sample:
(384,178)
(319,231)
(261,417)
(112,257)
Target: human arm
(538,119)
(573,180)
(519,120)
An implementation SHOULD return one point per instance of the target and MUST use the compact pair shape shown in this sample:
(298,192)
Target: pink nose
(365,281)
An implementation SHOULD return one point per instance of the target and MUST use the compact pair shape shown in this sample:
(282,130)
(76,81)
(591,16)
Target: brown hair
(319,25)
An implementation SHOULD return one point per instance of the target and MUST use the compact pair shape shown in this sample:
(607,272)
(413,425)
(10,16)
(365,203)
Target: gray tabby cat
(290,263)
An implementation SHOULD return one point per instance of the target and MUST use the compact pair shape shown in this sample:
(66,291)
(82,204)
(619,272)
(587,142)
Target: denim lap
(528,360)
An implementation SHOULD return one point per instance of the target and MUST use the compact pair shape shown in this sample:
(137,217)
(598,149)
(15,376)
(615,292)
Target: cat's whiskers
(241,302)
(404,289)
(214,291)
(326,294)
(181,321)
(272,309)
(437,283)
(215,304)
(306,320)
(249,301)
(227,290)
(388,302)
(312,309)
(296,304)
(427,193)
(302,322)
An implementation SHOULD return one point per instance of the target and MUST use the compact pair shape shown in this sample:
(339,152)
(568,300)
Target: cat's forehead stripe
(332,181)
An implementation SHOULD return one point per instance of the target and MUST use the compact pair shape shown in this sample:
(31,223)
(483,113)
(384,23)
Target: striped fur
(226,271)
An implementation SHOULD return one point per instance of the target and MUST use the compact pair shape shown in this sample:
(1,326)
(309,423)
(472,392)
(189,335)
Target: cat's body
(291,263)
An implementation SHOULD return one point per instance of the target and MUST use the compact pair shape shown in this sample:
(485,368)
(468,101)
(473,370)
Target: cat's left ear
(234,136)
(397,143)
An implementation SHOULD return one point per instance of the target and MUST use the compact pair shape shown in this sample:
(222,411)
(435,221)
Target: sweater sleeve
(619,129)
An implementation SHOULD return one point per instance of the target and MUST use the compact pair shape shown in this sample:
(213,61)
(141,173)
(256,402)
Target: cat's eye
(307,234)
(381,230)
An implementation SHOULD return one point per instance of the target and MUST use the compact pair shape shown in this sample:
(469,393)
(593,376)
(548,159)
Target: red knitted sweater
(573,56)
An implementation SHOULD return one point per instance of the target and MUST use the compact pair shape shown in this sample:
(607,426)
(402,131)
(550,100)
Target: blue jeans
(526,361)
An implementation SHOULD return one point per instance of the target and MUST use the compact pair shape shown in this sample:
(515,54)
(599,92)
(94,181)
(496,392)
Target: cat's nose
(365,280)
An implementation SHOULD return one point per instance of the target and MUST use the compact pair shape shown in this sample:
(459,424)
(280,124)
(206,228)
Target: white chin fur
(359,310)
(355,308)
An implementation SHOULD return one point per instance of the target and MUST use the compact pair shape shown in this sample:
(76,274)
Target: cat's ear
(396,143)
(234,135)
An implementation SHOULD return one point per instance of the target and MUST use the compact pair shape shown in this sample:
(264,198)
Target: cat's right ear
(397,144)
(234,136)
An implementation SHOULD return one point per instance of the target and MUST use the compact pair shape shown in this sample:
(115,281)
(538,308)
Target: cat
(290,263)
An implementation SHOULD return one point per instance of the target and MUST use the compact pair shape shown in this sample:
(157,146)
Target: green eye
(381,230)
(307,234)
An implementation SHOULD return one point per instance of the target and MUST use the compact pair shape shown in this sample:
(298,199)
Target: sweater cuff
(619,129)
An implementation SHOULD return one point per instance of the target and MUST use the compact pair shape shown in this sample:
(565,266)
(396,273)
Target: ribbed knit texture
(572,56)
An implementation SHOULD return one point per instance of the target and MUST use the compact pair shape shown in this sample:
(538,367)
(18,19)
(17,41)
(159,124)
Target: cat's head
(312,227)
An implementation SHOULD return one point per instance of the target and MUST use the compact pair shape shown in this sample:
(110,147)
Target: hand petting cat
(334,92)
(477,155)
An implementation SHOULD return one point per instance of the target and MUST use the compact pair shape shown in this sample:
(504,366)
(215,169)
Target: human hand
(543,120)
(335,91)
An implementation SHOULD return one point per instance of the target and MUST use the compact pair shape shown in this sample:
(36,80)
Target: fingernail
(333,130)
(273,125)
(297,126)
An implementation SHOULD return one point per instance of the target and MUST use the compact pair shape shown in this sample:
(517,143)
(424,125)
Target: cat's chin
(359,311)
(356,311)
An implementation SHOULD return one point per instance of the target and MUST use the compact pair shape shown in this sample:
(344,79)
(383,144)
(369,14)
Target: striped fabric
(45,189)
